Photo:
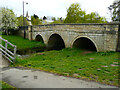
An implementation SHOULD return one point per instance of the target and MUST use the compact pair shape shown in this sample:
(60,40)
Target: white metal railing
(9,55)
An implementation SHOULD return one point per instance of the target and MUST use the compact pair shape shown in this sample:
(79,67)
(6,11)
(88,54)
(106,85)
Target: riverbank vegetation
(6,86)
(22,43)
(99,67)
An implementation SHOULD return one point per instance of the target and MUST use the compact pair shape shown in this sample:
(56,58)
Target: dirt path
(39,79)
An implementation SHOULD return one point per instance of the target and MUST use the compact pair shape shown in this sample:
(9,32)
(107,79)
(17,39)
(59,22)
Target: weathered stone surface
(104,36)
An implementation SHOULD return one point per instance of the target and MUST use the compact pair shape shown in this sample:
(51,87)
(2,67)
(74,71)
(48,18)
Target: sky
(57,8)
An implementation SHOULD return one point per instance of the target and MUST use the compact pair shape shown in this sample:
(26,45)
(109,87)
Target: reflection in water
(28,52)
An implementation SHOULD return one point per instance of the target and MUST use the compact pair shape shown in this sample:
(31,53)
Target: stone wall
(104,36)
(118,41)
(20,32)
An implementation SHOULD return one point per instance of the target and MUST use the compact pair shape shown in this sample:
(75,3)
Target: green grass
(22,43)
(100,67)
(0,32)
(6,86)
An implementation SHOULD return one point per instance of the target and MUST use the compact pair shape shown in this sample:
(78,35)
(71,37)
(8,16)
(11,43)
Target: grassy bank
(100,67)
(22,43)
(6,86)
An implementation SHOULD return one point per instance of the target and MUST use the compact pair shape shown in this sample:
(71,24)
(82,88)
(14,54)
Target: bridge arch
(39,38)
(55,42)
(85,42)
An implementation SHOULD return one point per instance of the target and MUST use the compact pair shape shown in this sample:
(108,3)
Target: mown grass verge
(22,43)
(100,67)
(6,86)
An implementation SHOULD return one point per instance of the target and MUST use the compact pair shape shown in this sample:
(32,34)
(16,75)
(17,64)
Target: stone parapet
(104,36)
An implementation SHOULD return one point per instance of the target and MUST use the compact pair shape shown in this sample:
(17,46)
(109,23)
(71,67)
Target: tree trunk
(7,32)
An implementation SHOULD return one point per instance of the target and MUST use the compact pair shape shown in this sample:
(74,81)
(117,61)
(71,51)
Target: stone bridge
(97,37)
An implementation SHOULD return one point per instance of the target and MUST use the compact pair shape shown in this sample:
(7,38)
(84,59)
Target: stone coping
(76,24)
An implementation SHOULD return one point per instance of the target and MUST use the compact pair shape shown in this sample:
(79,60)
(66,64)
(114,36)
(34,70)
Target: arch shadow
(39,38)
(55,42)
(85,43)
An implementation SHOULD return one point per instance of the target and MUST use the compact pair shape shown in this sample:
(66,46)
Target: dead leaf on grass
(113,65)
(91,58)
(40,53)
(75,75)
(115,62)
(104,66)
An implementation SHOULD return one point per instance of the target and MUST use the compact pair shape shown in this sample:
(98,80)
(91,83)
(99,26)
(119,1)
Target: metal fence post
(15,48)
(6,45)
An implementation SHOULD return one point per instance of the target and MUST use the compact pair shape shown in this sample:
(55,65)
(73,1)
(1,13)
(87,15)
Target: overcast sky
(57,8)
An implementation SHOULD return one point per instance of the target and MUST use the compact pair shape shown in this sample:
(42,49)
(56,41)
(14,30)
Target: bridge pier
(118,42)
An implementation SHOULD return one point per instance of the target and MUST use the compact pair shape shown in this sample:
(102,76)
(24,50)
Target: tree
(53,18)
(44,18)
(94,17)
(35,16)
(35,20)
(20,21)
(74,14)
(115,9)
(8,20)
(58,21)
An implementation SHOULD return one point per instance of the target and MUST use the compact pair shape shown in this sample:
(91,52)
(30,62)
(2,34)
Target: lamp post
(24,20)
